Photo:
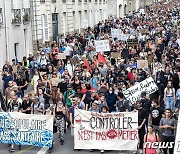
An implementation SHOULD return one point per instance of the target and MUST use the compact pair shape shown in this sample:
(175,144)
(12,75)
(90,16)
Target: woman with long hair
(169,96)
(59,113)
(150,137)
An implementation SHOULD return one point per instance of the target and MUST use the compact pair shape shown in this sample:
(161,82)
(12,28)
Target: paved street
(67,148)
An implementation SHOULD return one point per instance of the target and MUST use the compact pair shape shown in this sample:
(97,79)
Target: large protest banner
(134,93)
(109,131)
(26,129)
(177,141)
(102,45)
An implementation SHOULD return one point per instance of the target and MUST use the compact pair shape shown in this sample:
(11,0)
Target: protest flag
(61,71)
(87,64)
(17,60)
(101,58)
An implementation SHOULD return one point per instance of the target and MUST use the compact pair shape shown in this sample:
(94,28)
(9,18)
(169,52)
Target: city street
(67,148)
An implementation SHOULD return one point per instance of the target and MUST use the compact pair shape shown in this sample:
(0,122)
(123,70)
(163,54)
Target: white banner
(117,33)
(102,45)
(26,129)
(110,131)
(177,141)
(134,93)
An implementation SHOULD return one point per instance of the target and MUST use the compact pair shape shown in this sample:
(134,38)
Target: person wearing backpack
(36,106)
(151,137)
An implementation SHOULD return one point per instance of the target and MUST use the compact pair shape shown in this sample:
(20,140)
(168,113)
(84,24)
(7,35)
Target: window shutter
(45,28)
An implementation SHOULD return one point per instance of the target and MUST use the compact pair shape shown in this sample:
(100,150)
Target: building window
(85,1)
(104,1)
(53,1)
(45,28)
(96,1)
(64,1)
(16,16)
(73,1)
(1,16)
(26,15)
(42,1)
(100,1)
(79,1)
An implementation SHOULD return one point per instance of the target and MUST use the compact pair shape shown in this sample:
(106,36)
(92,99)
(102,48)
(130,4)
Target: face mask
(110,92)
(152,105)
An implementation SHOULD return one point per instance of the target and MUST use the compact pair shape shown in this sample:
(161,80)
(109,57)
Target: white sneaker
(140,151)
(102,151)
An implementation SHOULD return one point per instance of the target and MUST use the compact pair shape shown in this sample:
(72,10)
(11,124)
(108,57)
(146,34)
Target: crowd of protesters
(94,81)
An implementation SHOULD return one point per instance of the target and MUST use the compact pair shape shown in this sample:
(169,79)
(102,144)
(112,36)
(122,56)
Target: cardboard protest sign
(109,131)
(25,129)
(177,140)
(132,42)
(115,54)
(61,56)
(142,64)
(134,93)
(102,45)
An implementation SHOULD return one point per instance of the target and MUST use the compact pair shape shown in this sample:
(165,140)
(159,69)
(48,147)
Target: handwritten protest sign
(110,131)
(133,93)
(142,64)
(102,45)
(115,32)
(61,56)
(24,129)
(177,141)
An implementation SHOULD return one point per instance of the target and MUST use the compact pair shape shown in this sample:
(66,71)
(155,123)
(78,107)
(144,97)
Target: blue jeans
(170,103)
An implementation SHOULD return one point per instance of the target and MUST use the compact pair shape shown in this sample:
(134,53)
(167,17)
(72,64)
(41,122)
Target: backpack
(33,106)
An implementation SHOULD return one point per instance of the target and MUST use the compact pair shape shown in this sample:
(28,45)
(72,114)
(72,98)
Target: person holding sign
(49,112)
(14,106)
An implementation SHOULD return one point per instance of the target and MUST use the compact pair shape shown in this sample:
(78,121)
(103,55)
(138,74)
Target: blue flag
(16,60)
(61,71)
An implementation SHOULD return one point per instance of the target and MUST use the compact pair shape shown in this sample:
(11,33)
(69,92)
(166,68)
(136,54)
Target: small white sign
(102,45)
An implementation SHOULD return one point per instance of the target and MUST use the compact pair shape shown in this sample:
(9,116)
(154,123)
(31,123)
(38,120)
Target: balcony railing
(16,16)
(1,16)
(26,15)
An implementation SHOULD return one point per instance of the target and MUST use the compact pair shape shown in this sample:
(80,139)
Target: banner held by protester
(177,141)
(24,129)
(110,131)
(133,93)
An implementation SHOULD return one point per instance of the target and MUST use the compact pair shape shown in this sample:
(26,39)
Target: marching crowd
(93,81)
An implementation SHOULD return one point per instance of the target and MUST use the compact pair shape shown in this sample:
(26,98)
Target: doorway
(55,26)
